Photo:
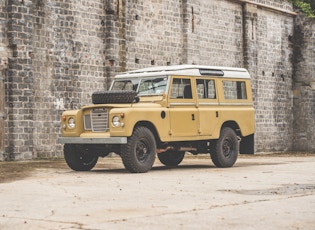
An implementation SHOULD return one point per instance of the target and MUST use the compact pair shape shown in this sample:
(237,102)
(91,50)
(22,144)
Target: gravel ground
(265,191)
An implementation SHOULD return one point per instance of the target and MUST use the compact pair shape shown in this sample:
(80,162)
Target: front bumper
(86,140)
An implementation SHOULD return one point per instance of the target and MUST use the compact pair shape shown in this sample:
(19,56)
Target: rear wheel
(78,158)
(138,154)
(171,158)
(224,151)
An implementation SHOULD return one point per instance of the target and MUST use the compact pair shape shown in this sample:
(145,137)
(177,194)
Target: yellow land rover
(164,111)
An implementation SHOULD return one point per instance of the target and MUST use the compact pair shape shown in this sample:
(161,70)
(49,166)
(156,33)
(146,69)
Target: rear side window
(206,89)
(234,90)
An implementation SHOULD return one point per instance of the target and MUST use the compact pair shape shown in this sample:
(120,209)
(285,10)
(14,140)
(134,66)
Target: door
(208,106)
(184,119)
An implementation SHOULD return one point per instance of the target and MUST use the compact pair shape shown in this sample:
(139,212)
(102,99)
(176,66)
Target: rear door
(184,118)
(208,105)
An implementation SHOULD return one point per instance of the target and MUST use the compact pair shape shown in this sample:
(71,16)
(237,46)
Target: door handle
(216,113)
(193,117)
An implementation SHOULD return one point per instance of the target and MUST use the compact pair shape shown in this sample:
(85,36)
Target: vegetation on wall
(306,6)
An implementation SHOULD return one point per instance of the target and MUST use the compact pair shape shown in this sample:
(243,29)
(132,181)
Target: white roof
(187,70)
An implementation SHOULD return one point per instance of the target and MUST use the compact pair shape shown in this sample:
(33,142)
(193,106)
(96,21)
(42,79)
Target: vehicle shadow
(186,167)
(163,168)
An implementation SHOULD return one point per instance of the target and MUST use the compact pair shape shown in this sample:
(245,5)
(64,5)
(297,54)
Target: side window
(201,89)
(206,89)
(211,89)
(181,88)
(234,90)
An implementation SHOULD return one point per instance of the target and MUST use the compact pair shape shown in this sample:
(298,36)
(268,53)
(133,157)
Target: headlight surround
(116,121)
(71,123)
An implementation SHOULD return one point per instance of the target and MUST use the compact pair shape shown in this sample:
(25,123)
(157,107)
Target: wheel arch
(233,125)
(246,143)
(151,127)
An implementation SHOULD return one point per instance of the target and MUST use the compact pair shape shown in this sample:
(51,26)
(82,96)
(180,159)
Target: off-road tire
(138,154)
(78,159)
(171,158)
(113,97)
(224,151)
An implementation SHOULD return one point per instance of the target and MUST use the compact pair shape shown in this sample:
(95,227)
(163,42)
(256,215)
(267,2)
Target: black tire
(224,151)
(116,97)
(78,158)
(138,154)
(171,158)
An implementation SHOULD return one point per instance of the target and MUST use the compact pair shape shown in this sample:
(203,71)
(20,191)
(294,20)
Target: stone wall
(271,70)
(304,84)
(60,52)
(68,64)
(57,62)
(3,66)
(175,32)
(19,82)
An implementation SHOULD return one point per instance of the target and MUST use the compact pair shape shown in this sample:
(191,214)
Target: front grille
(97,120)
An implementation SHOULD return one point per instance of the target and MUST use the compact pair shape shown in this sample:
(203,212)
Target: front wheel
(138,154)
(79,158)
(224,151)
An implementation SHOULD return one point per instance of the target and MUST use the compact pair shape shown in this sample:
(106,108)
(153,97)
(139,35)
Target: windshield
(125,84)
(147,86)
(152,86)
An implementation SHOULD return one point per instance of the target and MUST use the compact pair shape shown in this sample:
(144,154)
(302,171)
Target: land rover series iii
(164,111)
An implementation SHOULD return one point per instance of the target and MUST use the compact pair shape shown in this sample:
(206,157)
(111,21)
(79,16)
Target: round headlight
(116,121)
(71,123)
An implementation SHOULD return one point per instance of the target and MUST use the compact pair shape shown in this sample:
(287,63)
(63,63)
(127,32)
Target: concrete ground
(259,192)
